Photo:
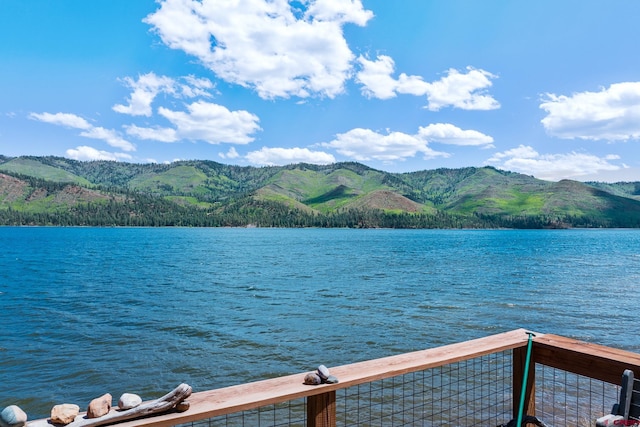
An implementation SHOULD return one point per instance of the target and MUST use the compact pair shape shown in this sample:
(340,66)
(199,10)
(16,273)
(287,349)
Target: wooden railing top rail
(591,360)
(582,358)
(208,404)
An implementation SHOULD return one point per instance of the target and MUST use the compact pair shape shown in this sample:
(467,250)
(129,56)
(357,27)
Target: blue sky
(545,88)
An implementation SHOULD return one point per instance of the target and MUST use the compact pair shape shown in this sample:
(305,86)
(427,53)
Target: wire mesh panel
(475,392)
(566,399)
(291,413)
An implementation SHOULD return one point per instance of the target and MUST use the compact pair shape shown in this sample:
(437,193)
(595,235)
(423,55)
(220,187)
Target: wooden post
(519,359)
(321,410)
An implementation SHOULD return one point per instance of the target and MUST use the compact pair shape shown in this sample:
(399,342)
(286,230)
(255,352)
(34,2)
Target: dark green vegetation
(59,191)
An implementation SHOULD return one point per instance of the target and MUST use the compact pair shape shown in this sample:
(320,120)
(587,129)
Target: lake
(85,311)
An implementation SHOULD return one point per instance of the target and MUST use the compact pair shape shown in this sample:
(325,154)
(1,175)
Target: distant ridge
(59,191)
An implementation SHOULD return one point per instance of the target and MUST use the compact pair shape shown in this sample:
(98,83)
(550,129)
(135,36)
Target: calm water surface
(85,311)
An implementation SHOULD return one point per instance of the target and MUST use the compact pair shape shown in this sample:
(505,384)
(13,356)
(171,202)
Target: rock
(323,372)
(183,406)
(312,379)
(13,416)
(331,380)
(99,406)
(65,413)
(128,401)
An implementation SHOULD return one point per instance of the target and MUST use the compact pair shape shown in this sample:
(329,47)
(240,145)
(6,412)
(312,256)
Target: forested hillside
(59,191)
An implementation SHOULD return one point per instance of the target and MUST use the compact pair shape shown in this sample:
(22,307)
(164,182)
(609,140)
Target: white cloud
(203,121)
(611,114)
(110,136)
(343,11)
(86,153)
(365,144)
(155,134)
(195,87)
(446,133)
(62,119)
(231,154)
(145,89)
(376,79)
(277,49)
(464,91)
(212,123)
(525,159)
(284,156)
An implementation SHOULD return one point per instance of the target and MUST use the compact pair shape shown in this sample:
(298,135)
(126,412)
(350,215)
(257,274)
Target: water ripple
(86,311)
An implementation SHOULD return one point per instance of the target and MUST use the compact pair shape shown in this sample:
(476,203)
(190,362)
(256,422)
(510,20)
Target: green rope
(524,379)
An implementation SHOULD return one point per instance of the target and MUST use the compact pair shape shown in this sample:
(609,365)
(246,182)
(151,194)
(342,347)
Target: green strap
(524,379)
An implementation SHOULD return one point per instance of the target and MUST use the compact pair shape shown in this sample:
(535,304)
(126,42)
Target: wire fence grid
(567,399)
(475,392)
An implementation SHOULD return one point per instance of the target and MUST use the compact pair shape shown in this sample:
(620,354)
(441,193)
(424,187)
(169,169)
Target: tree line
(146,211)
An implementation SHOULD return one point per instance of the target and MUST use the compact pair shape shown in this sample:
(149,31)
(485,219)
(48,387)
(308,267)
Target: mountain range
(58,191)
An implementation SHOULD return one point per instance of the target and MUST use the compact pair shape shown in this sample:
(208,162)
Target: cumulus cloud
(85,153)
(155,133)
(110,136)
(612,114)
(342,11)
(365,144)
(525,159)
(203,121)
(62,119)
(466,91)
(213,123)
(375,77)
(278,49)
(144,90)
(446,133)
(195,86)
(231,154)
(284,156)
(148,86)
(377,82)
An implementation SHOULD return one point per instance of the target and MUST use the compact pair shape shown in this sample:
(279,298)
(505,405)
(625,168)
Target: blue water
(85,311)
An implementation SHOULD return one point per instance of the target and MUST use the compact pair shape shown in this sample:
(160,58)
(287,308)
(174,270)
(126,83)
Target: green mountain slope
(623,189)
(36,195)
(38,169)
(343,194)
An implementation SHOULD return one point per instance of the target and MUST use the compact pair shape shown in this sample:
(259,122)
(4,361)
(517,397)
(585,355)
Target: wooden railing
(590,360)
(586,359)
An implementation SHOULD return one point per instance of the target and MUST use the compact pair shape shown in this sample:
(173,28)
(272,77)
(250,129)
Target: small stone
(183,406)
(312,379)
(13,416)
(99,406)
(128,401)
(323,372)
(65,413)
(331,380)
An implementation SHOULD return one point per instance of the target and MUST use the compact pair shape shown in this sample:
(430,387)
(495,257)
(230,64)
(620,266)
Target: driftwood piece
(153,407)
